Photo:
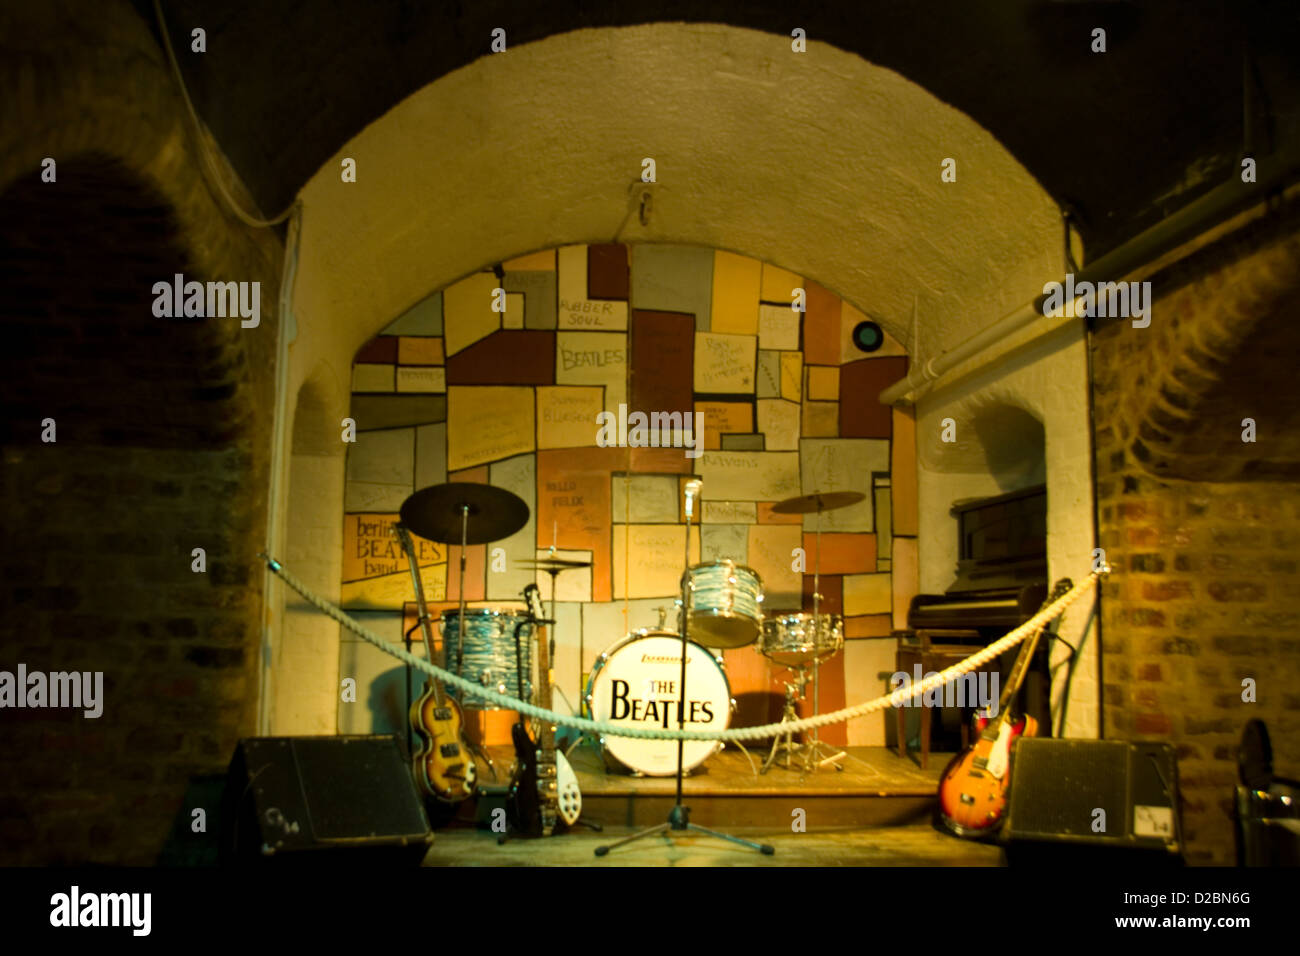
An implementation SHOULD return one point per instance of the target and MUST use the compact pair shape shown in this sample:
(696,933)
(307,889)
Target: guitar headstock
(1059,590)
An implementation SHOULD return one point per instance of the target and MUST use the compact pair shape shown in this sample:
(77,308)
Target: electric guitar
(443,767)
(974,785)
(545,787)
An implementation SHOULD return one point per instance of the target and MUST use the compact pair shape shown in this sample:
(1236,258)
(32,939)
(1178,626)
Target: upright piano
(1001,582)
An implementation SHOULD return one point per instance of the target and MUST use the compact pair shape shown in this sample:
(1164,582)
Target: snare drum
(489,656)
(793,640)
(723,604)
(635,684)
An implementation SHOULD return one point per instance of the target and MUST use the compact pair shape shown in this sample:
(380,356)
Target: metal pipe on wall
(1197,217)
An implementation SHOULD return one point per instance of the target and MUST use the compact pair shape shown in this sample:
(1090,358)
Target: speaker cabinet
(342,799)
(1093,795)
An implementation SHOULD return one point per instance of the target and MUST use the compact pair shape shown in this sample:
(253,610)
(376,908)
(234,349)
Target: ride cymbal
(435,512)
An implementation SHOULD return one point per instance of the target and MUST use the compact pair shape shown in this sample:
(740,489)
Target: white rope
(896,699)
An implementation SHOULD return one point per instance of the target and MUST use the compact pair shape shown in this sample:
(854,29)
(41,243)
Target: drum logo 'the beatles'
(623,707)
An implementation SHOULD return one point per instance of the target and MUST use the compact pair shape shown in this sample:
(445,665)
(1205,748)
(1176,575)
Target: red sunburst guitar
(443,767)
(973,788)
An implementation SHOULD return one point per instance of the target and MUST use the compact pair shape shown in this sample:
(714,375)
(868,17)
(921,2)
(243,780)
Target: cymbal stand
(679,815)
(815,746)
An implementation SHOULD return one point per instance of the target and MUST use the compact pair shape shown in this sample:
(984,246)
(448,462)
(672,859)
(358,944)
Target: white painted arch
(819,162)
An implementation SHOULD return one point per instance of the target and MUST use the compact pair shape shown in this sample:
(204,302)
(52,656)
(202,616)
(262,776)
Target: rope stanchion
(895,699)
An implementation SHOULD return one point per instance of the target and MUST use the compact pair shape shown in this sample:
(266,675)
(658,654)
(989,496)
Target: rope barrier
(895,699)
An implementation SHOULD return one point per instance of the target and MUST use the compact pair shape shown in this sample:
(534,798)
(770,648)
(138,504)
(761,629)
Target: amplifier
(1094,793)
(347,799)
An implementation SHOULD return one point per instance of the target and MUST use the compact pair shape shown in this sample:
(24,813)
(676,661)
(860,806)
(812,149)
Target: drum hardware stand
(679,815)
(815,746)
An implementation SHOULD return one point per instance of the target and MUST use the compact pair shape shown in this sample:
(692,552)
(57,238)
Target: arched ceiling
(1119,139)
(826,165)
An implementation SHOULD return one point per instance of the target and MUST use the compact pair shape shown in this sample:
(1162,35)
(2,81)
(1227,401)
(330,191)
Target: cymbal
(818,501)
(546,564)
(435,512)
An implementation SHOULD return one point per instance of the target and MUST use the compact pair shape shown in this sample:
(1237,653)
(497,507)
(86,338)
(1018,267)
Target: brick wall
(163,434)
(1205,592)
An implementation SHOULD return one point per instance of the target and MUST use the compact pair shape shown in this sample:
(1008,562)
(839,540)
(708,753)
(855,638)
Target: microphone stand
(679,816)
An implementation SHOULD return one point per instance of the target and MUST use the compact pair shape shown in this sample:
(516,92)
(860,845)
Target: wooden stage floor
(877,812)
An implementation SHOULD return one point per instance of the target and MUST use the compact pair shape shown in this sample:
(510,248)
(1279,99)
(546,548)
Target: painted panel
(566,415)
(902,478)
(749,476)
(594,358)
(467,311)
(778,420)
(821,327)
(430,455)
(728,512)
(778,327)
(720,542)
(779,284)
(843,464)
(508,357)
(736,281)
(842,553)
(821,419)
(576,310)
(543,261)
(540,296)
(488,423)
(607,271)
(768,375)
(906,574)
(423,318)
(849,318)
(645,499)
(724,364)
(724,417)
(505,577)
(663,359)
(421,379)
(771,554)
(373,378)
(419,351)
(671,278)
(861,414)
(656,552)
(380,470)
(824,386)
(791,376)
(867,594)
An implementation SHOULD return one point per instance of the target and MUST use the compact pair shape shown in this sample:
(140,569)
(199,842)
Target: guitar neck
(1024,659)
(422,607)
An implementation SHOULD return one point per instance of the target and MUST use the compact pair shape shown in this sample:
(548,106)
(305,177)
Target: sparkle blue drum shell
(795,640)
(723,604)
(489,653)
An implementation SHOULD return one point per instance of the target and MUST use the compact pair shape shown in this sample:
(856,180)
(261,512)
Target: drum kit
(640,679)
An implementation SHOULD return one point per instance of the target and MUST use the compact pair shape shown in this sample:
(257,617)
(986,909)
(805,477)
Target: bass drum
(634,683)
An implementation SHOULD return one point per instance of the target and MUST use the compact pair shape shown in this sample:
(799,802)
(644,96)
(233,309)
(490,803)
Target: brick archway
(162,446)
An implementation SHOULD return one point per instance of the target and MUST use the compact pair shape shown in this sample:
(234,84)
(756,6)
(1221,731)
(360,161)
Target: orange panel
(902,471)
(736,418)
(574,499)
(657,461)
(821,327)
(758,699)
(868,625)
(842,553)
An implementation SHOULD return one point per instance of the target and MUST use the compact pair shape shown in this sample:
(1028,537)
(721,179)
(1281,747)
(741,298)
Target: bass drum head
(636,684)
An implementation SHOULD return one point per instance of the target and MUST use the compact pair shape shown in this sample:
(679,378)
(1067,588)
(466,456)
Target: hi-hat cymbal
(547,564)
(818,501)
(435,512)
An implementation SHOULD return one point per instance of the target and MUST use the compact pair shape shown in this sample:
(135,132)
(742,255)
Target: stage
(876,812)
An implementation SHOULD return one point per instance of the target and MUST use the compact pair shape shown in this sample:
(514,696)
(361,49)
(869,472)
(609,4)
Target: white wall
(820,162)
(1046,377)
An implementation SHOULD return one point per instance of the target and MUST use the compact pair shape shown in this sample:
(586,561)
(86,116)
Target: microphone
(692,492)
